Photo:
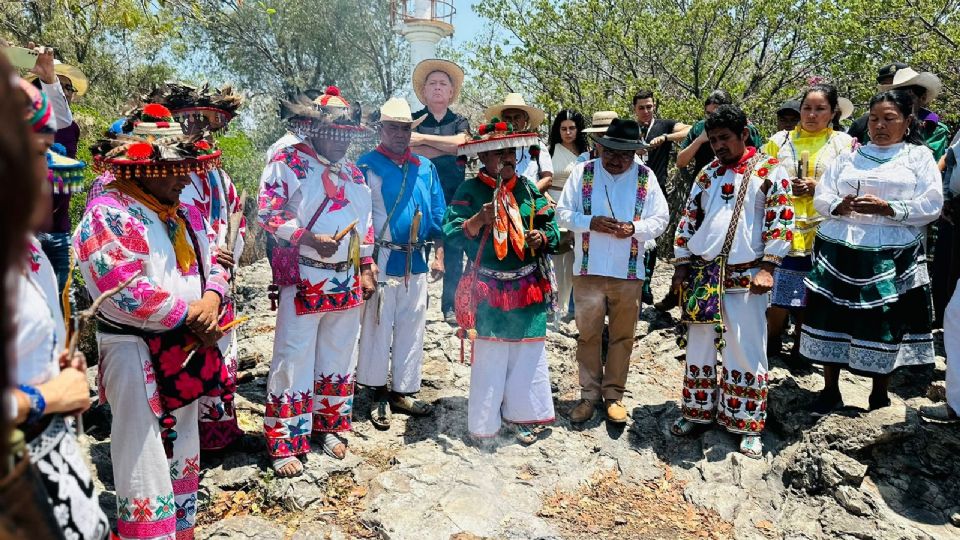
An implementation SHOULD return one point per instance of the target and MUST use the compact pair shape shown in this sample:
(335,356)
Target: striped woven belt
(508,275)
(401,247)
(336,267)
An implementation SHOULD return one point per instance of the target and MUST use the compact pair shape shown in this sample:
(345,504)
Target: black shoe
(878,402)
(826,403)
(647,297)
(669,302)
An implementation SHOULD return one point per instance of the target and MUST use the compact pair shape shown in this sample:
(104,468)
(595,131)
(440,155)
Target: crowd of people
(827,228)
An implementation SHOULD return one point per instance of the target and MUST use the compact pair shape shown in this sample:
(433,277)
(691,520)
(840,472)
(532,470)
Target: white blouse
(41,334)
(904,175)
(563,163)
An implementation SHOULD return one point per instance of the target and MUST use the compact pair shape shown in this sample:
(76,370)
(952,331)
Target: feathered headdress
(197,108)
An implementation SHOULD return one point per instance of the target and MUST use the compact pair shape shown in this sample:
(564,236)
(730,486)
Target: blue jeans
(57,247)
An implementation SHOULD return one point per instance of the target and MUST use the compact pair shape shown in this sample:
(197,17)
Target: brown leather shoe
(616,412)
(583,412)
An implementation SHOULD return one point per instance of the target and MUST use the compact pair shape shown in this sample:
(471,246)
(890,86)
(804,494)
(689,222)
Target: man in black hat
(858,129)
(613,205)
(788,115)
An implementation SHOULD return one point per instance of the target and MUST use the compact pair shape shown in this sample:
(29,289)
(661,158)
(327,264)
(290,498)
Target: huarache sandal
(526,434)
(409,405)
(939,413)
(380,415)
(287,467)
(751,446)
(331,442)
(685,428)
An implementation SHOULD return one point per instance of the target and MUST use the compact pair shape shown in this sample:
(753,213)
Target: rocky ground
(853,475)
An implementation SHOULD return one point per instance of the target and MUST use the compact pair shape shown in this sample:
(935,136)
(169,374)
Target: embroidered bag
(285,260)
(466,298)
(701,297)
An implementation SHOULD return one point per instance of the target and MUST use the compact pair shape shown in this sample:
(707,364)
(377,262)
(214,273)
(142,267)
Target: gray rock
(242,528)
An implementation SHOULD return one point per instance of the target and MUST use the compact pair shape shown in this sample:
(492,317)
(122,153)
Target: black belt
(404,248)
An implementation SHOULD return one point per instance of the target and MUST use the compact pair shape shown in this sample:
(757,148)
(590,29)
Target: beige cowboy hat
(77,78)
(846,108)
(428,66)
(600,121)
(398,110)
(909,77)
(516,101)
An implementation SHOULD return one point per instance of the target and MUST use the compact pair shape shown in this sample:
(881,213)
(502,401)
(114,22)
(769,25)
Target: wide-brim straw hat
(398,110)
(77,78)
(516,101)
(909,77)
(846,108)
(496,136)
(600,121)
(428,66)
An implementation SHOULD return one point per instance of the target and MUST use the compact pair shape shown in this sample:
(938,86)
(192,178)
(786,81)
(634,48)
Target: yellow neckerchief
(176,225)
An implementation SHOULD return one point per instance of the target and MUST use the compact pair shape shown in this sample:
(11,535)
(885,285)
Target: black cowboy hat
(621,135)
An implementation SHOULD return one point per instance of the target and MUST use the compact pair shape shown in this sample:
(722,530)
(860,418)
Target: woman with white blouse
(869,308)
(568,146)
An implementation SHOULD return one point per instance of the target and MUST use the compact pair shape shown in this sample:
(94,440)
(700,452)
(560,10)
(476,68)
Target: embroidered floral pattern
(587,201)
(739,404)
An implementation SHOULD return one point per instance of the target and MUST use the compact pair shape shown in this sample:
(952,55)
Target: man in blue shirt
(408,208)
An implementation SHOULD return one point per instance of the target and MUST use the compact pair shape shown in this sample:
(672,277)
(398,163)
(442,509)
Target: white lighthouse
(423,23)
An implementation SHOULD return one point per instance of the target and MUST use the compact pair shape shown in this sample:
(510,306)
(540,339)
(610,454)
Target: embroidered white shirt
(612,196)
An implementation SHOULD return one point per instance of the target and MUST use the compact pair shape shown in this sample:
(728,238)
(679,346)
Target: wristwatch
(37,404)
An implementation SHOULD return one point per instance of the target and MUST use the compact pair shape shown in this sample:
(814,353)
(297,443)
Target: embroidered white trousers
(391,339)
(739,402)
(509,380)
(310,385)
(156,497)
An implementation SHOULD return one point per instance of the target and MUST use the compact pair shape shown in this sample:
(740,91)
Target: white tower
(423,23)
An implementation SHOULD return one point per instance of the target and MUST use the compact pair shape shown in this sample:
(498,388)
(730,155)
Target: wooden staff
(83,318)
(233,230)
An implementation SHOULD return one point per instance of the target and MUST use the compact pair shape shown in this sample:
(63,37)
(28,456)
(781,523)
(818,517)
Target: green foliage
(242,161)
(593,54)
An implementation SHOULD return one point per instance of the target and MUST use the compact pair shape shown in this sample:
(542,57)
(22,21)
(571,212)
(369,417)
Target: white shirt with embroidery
(612,196)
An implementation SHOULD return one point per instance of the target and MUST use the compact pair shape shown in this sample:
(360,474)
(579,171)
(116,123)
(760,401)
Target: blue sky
(466,22)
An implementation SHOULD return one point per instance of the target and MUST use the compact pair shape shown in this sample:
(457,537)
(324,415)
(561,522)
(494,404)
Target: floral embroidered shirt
(294,185)
(118,237)
(765,228)
(217,199)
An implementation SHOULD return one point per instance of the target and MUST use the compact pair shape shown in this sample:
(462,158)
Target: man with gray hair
(437,84)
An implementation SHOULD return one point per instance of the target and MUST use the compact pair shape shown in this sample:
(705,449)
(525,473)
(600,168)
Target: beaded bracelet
(37,404)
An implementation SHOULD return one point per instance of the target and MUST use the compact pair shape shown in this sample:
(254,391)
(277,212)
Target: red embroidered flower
(733,403)
(744,281)
(741,424)
(189,387)
(786,214)
(726,189)
(773,161)
(686,394)
(751,406)
(763,236)
(771,215)
(762,173)
(785,183)
(782,199)
(775,233)
(700,396)
(789,236)
(753,426)
(140,150)
(156,111)
(681,241)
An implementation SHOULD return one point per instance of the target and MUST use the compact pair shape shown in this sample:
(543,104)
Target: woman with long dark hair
(567,143)
(868,304)
(805,152)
